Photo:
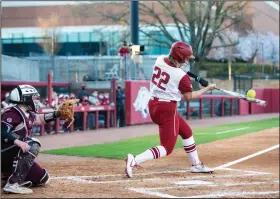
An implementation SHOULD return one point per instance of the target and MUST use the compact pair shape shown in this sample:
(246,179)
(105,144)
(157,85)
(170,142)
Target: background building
(82,33)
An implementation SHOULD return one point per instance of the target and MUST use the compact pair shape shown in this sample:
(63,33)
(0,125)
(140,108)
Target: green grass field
(119,149)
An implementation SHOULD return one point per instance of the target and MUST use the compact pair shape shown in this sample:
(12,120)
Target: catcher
(19,170)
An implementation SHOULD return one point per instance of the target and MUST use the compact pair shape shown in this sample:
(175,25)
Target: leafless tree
(196,22)
(100,14)
(50,30)
(50,42)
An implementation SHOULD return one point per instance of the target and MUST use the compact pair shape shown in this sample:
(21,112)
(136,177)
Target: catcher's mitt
(66,110)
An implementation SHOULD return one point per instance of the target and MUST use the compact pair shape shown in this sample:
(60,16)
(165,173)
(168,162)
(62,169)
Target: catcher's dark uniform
(15,165)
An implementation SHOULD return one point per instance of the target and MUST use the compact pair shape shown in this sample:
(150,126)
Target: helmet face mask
(26,95)
(36,102)
(32,101)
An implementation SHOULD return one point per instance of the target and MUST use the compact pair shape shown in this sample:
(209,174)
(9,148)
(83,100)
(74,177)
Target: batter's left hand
(211,87)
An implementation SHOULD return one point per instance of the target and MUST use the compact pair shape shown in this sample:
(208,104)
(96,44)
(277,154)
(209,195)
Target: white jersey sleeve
(165,81)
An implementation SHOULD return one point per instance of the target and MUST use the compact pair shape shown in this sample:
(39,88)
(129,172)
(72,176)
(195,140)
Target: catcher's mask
(27,95)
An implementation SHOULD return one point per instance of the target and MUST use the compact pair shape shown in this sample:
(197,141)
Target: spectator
(120,106)
(102,114)
(96,99)
(83,97)
(72,96)
(54,101)
(101,98)
(45,102)
(93,99)
(124,50)
(82,93)
(60,99)
(66,97)
(85,101)
(107,98)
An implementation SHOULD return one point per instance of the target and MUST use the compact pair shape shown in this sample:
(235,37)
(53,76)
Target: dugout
(42,87)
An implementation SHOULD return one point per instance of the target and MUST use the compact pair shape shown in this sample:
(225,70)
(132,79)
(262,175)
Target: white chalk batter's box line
(199,183)
(190,183)
(149,191)
(222,167)
(217,194)
(85,179)
(150,173)
(152,192)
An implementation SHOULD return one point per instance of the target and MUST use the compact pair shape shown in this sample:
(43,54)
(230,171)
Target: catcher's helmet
(181,52)
(27,95)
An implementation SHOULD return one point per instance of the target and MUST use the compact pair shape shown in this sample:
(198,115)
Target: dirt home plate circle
(251,93)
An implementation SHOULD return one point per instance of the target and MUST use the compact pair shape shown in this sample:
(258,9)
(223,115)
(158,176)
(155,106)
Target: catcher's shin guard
(4,179)
(44,180)
(23,162)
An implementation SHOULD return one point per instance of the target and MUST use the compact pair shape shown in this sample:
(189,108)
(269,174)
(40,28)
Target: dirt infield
(240,175)
(114,134)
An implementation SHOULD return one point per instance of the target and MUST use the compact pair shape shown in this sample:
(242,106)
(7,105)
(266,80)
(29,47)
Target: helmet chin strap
(29,108)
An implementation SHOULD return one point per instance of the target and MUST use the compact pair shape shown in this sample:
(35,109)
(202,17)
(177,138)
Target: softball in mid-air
(251,93)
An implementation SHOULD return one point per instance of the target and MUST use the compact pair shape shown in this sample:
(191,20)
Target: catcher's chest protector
(24,131)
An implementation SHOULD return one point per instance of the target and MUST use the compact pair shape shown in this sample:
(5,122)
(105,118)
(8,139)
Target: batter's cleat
(201,168)
(130,164)
(16,188)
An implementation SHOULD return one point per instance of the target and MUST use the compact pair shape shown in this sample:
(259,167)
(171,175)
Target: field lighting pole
(134,28)
(134,22)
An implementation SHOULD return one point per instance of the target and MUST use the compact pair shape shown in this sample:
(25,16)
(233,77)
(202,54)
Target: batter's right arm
(196,94)
(186,89)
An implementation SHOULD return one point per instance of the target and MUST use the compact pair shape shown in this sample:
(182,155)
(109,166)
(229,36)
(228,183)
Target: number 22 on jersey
(160,78)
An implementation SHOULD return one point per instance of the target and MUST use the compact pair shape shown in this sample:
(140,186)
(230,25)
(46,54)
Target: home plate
(194,182)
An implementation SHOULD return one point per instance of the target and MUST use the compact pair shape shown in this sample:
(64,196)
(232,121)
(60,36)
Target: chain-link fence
(83,68)
(17,69)
(90,68)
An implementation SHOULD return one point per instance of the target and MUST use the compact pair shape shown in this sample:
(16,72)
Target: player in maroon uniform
(169,82)
(18,149)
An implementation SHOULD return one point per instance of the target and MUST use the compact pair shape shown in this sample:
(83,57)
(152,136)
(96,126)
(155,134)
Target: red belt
(162,100)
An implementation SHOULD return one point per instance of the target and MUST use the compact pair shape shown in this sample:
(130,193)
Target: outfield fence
(207,106)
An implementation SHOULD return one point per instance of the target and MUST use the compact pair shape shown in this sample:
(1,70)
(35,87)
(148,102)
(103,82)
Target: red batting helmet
(180,51)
